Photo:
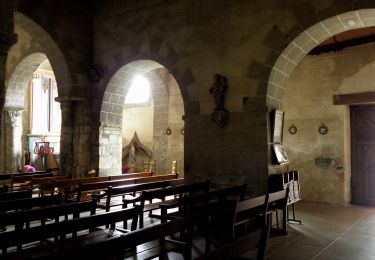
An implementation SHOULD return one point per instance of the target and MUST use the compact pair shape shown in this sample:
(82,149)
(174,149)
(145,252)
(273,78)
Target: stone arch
(110,134)
(20,73)
(305,42)
(51,50)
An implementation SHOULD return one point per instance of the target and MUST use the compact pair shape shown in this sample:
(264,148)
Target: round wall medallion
(323,129)
(292,129)
(168,131)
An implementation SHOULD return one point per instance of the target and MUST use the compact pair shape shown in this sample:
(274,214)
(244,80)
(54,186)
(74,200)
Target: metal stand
(294,220)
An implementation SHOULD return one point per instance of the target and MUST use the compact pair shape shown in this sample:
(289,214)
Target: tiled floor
(327,232)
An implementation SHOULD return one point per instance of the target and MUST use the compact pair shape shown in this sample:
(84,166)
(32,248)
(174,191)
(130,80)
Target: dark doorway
(362,121)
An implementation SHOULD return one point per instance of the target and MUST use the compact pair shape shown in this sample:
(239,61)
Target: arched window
(139,91)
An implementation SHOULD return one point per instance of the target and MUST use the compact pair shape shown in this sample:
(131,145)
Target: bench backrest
(28,203)
(54,212)
(19,179)
(236,192)
(13,195)
(253,240)
(115,247)
(180,190)
(163,177)
(61,229)
(130,176)
(46,185)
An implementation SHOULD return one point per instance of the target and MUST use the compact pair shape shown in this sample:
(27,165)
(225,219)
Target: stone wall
(110,151)
(308,103)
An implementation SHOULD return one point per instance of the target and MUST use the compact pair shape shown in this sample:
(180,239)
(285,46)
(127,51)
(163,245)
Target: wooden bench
(130,176)
(39,216)
(207,207)
(45,186)
(22,182)
(85,190)
(61,230)
(278,201)
(239,246)
(13,195)
(162,193)
(28,203)
(147,243)
(122,191)
(69,187)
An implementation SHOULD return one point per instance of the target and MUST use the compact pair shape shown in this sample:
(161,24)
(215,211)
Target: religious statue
(132,155)
(218,90)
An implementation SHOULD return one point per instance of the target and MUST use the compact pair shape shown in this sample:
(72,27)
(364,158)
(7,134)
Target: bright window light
(139,91)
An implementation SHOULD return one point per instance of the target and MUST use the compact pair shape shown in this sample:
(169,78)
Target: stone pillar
(13,143)
(66,141)
(7,39)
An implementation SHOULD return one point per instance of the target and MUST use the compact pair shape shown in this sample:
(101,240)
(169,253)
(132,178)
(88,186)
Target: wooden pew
(130,176)
(162,193)
(67,186)
(39,216)
(13,195)
(250,211)
(237,247)
(146,243)
(96,187)
(62,229)
(278,201)
(28,203)
(22,182)
(210,206)
(113,192)
(46,185)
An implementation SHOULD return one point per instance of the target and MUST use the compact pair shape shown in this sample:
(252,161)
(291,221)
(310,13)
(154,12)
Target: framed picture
(277,126)
(280,156)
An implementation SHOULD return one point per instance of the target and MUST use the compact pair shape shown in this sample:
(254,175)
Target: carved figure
(132,155)
(218,89)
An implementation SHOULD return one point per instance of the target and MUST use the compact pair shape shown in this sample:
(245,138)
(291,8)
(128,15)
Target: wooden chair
(237,247)
(278,201)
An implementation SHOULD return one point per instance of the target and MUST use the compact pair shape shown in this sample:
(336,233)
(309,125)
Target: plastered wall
(308,103)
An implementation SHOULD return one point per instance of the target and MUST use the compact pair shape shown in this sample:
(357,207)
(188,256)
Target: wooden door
(362,120)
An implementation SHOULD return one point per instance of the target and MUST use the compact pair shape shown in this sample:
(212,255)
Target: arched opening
(304,86)
(33,114)
(34,49)
(151,130)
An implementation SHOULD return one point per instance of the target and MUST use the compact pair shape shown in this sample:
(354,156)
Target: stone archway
(305,42)
(28,60)
(111,114)
(14,104)
(307,148)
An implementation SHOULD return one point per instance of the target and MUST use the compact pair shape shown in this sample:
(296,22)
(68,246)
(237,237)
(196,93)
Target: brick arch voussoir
(50,47)
(18,81)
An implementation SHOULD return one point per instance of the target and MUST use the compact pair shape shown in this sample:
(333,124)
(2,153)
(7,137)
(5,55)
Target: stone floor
(327,232)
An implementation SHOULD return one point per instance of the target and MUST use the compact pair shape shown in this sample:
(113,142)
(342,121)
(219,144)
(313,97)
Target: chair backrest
(256,239)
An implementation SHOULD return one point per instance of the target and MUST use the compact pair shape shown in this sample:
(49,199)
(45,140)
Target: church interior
(204,129)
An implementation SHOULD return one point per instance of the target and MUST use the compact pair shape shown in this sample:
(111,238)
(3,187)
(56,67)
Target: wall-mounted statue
(130,153)
(218,90)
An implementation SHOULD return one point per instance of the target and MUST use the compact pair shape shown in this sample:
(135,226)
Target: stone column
(66,141)
(7,39)
(13,143)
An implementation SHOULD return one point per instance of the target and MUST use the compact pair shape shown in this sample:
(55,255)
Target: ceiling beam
(357,98)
